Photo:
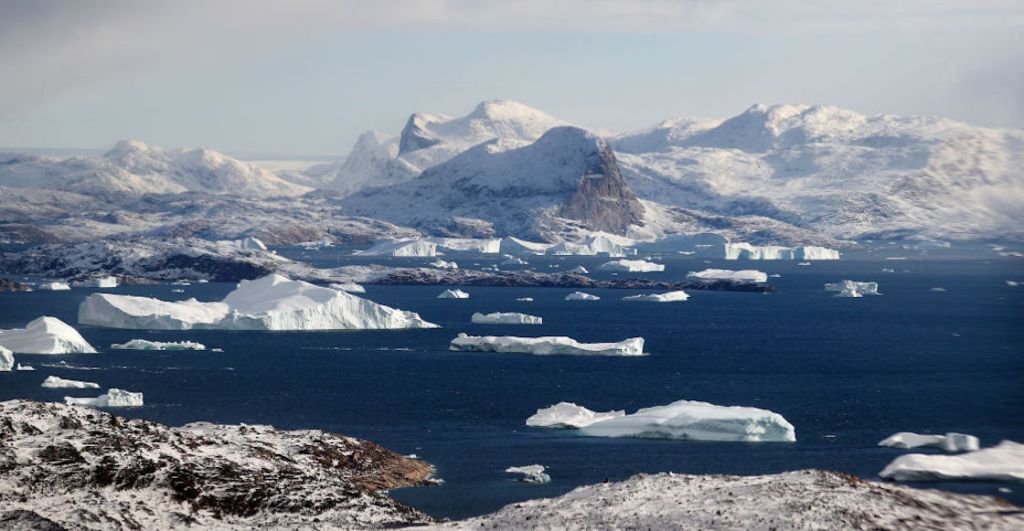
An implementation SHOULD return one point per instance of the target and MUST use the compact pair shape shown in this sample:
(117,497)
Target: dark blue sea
(846,372)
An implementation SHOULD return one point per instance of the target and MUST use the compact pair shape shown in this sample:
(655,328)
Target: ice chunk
(580,296)
(669,296)
(405,247)
(21,367)
(743,276)
(569,415)
(579,269)
(142,344)
(350,287)
(6,359)
(689,419)
(453,294)
(632,266)
(443,264)
(273,302)
(506,318)
(525,299)
(853,288)
(54,286)
(547,345)
(950,442)
(56,382)
(1004,462)
(101,282)
(112,398)
(252,243)
(531,473)
(514,260)
(45,335)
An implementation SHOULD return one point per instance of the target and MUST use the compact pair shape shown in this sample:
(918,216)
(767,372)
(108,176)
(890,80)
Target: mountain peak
(126,147)
(507,110)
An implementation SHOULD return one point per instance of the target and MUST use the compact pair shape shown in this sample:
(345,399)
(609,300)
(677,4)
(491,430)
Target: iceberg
(506,318)
(54,286)
(403,248)
(669,296)
(569,415)
(101,282)
(6,359)
(579,269)
(632,266)
(273,302)
(700,421)
(594,245)
(580,296)
(45,335)
(21,367)
(950,442)
(142,344)
(743,276)
(1004,462)
(517,247)
(443,264)
(525,299)
(513,260)
(453,294)
(56,382)
(547,345)
(468,245)
(853,288)
(531,473)
(112,398)
(746,251)
(350,287)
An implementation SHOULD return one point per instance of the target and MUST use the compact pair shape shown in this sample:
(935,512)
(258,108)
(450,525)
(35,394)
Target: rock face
(603,200)
(104,472)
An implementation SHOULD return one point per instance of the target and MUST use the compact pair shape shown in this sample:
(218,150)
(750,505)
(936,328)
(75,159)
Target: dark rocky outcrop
(603,200)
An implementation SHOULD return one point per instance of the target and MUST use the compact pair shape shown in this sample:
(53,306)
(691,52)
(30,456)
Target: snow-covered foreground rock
(740,277)
(581,296)
(273,302)
(547,345)
(804,499)
(453,294)
(200,475)
(853,288)
(506,318)
(569,415)
(632,266)
(45,335)
(671,296)
(1004,462)
(143,344)
(6,359)
(950,442)
(56,382)
(530,473)
(112,398)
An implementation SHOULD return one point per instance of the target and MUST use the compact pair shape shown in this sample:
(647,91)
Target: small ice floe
(938,290)
(142,344)
(853,288)
(1004,462)
(547,345)
(181,283)
(569,415)
(950,442)
(670,296)
(56,382)
(177,290)
(803,264)
(531,473)
(580,296)
(525,299)
(45,335)
(112,398)
(888,270)
(1013,283)
(632,266)
(578,269)
(350,287)
(443,264)
(21,367)
(54,286)
(506,318)
(453,294)
(774,275)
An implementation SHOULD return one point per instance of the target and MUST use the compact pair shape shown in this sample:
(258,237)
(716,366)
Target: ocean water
(846,372)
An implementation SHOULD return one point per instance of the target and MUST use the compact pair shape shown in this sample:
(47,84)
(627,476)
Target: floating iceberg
(746,251)
(45,335)
(950,442)
(6,359)
(531,473)
(852,288)
(252,243)
(743,276)
(101,282)
(273,302)
(21,367)
(506,318)
(632,266)
(468,245)
(142,344)
(1004,462)
(56,382)
(113,398)
(547,345)
(453,294)
(580,296)
(443,264)
(670,296)
(701,421)
(350,287)
(403,248)
(593,245)
(515,246)
(525,299)
(54,286)
(579,269)
(569,415)
(513,260)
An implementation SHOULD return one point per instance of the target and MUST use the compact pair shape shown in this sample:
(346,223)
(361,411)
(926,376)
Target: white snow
(443,264)
(402,248)
(580,296)
(506,318)
(56,382)
(112,398)
(531,473)
(45,335)
(54,286)
(632,266)
(547,345)
(453,294)
(569,415)
(689,419)
(101,282)
(579,269)
(273,302)
(742,276)
(252,242)
(669,296)
(142,344)
(950,442)
(6,359)
(853,288)
(350,287)
(1004,462)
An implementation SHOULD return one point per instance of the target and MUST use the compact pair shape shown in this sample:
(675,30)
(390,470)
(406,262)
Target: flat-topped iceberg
(632,266)
(99,282)
(700,421)
(54,286)
(143,344)
(950,442)
(112,398)
(547,345)
(6,359)
(453,294)
(350,287)
(853,288)
(56,382)
(746,251)
(580,296)
(531,473)
(403,248)
(273,302)
(506,318)
(569,415)
(45,335)
(1004,462)
(669,296)
(743,276)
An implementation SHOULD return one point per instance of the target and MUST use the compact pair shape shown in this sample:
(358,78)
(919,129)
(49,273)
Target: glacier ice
(740,277)
(45,335)
(273,302)
(581,296)
(54,286)
(669,296)
(547,345)
(453,294)
(853,288)
(690,419)
(56,382)
(142,344)
(404,248)
(950,442)
(569,415)
(99,282)
(6,359)
(1004,462)
(632,266)
(531,473)
(506,318)
(112,398)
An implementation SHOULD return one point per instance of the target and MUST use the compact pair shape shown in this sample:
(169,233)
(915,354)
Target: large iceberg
(853,288)
(595,244)
(531,473)
(1004,462)
(581,296)
(468,245)
(569,415)
(6,359)
(45,335)
(100,282)
(506,318)
(143,344)
(632,266)
(402,248)
(273,302)
(669,296)
(54,286)
(689,419)
(744,276)
(112,398)
(950,442)
(547,345)
(453,294)
(515,246)
(56,382)
(746,251)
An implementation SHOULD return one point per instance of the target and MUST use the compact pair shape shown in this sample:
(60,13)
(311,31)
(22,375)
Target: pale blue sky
(306,77)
